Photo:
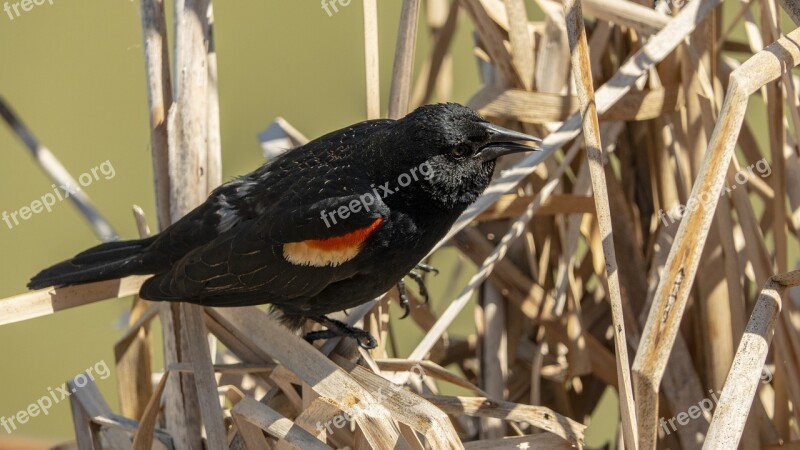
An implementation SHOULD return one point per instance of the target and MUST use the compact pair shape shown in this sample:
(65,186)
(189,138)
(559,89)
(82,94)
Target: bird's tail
(103,262)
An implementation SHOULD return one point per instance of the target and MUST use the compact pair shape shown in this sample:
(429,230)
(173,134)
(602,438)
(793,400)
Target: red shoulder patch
(331,251)
(348,240)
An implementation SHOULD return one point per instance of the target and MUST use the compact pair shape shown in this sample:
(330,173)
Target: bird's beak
(501,142)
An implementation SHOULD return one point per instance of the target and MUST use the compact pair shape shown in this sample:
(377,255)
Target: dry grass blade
(143,439)
(249,410)
(520,39)
(512,205)
(538,416)
(491,37)
(439,66)
(407,407)
(132,351)
(533,442)
(627,13)
(203,371)
(133,359)
(543,107)
(431,369)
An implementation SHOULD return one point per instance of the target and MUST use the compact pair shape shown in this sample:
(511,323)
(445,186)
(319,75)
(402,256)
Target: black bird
(324,227)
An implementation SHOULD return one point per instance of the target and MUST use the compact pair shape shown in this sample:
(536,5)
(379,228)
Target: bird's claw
(404,303)
(365,340)
(337,328)
(423,290)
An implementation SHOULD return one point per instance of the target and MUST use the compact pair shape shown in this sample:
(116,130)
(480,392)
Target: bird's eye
(460,151)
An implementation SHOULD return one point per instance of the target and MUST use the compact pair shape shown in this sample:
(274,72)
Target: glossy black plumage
(256,239)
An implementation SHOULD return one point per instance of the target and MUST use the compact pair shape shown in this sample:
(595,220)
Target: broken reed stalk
(746,371)
(189,139)
(159,99)
(64,182)
(403,69)
(371,58)
(48,301)
(323,376)
(582,74)
(214,145)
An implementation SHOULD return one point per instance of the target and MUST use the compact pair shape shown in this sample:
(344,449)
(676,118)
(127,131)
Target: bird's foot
(427,268)
(337,328)
(423,290)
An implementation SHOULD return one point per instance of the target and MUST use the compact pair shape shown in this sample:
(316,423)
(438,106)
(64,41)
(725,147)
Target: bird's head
(454,148)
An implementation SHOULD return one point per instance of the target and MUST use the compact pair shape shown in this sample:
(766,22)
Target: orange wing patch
(329,252)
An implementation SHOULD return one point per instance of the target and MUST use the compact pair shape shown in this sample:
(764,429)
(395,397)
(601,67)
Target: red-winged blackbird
(325,227)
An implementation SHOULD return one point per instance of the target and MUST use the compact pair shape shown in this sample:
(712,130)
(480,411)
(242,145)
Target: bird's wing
(286,253)
(272,232)
(295,182)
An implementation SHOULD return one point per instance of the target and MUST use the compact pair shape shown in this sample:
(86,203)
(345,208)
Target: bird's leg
(338,328)
(317,335)
(401,290)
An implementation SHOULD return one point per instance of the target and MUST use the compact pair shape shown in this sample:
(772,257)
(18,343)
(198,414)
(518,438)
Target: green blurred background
(74,72)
